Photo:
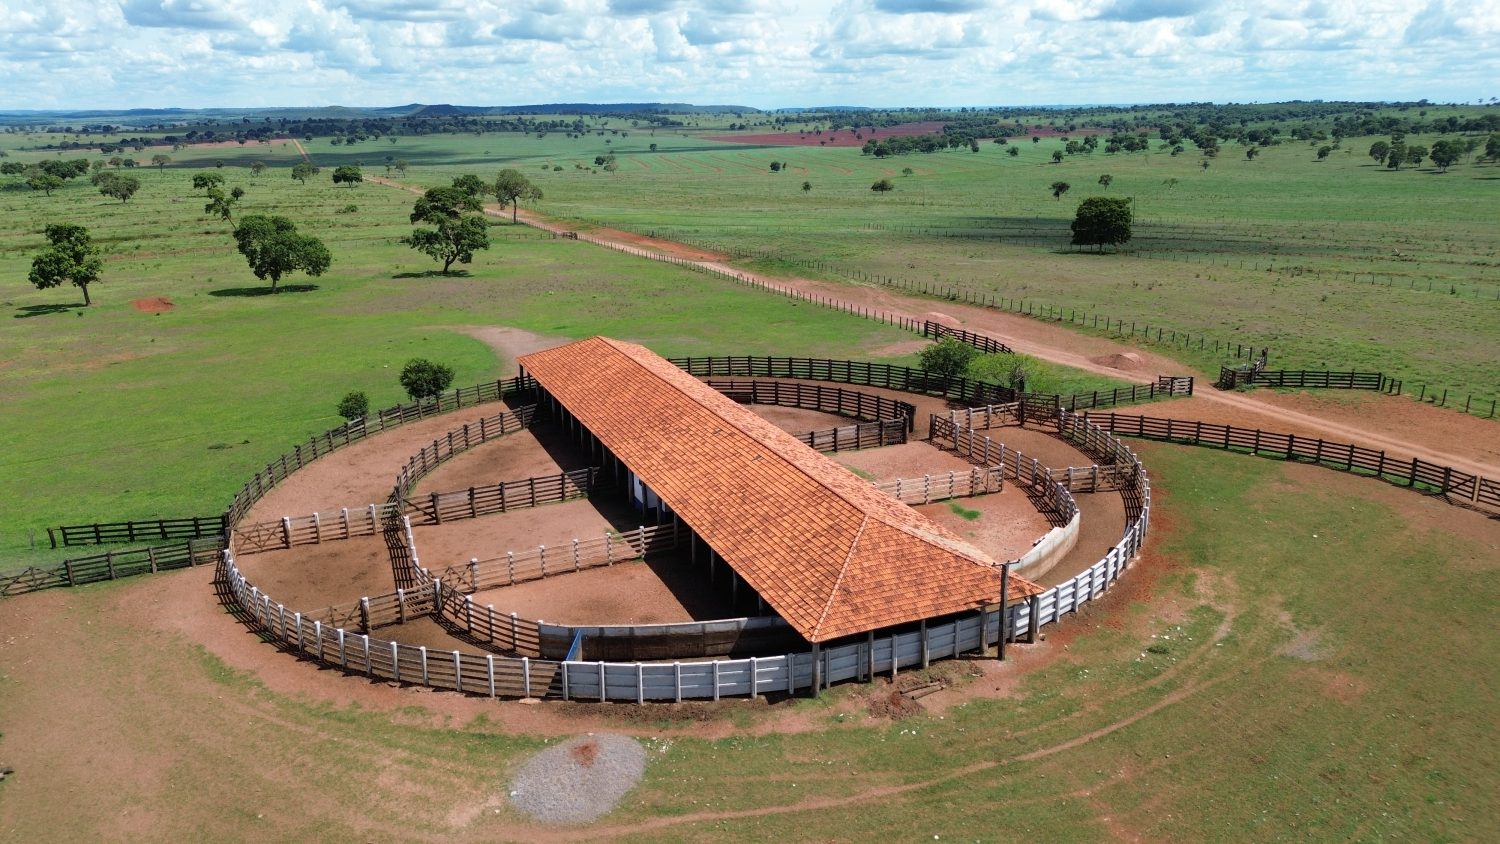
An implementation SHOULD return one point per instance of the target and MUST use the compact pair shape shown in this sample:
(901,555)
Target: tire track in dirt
(1172,698)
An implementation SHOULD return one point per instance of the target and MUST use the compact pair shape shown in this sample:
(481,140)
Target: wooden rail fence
(314,529)
(988,345)
(456,442)
(326,639)
(1230,378)
(1403,471)
(855,437)
(355,431)
(101,533)
(835,400)
(439,507)
(112,565)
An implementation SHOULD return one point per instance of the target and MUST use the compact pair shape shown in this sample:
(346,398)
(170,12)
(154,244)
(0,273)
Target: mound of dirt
(1126,361)
(153,305)
(578,780)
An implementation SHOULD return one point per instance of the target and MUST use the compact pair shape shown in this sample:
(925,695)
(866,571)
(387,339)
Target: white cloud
(131,53)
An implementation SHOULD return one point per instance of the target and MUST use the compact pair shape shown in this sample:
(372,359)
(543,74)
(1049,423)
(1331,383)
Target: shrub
(882,186)
(355,405)
(424,379)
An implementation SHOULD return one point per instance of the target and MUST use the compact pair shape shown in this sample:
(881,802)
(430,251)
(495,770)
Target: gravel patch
(579,780)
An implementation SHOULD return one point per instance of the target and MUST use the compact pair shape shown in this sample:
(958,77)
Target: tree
(424,379)
(72,259)
(456,235)
(160,161)
(1251,152)
(355,405)
(304,171)
(116,186)
(471,185)
(776,167)
(948,358)
(653,147)
(1057,156)
(348,174)
(806,186)
(1059,188)
(400,164)
(1415,153)
(221,204)
(1492,148)
(1102,220)
(257,168)
(1015,371)
(1379,150)
(1013,152)
(1445,153)
(882,186)
(204,181)
(1324,151)
(1106,179)
(273,247)
(512,187)
(44,182)
(1396,156)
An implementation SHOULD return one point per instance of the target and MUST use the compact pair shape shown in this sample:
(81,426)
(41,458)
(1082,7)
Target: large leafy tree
(456,232)
(1102,220)
(72,259)
(221,204)
(1445,153)
(424,379)
(948,358)
(205,181)
(116,186)
(471,185)
(44,182)
(512,187)
(273,247)
(304,171)
(1058,189)
(347,174)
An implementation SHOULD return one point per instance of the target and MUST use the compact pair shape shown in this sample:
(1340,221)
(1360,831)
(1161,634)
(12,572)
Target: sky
(759,53)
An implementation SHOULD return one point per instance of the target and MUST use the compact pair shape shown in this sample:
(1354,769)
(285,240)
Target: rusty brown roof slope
(829,552)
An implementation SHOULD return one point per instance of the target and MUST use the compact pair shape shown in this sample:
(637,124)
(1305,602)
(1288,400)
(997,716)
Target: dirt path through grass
(1447,441)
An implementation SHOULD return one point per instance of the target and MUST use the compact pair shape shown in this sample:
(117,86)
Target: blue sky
(762,53)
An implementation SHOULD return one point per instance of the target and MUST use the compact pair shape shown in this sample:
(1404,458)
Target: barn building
(825,550)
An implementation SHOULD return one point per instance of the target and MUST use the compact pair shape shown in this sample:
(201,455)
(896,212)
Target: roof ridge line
(858,507)
(858,535)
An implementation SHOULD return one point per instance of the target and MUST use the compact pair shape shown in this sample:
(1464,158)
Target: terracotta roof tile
(830,553)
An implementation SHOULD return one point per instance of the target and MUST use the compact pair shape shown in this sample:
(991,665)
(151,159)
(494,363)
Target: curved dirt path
(1463,449)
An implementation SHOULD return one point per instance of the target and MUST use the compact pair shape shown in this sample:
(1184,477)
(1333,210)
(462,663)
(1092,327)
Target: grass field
(133,415)
(1301,654)
(1340,263)
(1207,701)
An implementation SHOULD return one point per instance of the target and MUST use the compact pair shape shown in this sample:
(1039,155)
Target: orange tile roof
(829,552)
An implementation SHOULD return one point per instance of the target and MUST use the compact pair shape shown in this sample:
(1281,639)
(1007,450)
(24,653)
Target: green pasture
(1311,661)
(125,414)
(1338,263)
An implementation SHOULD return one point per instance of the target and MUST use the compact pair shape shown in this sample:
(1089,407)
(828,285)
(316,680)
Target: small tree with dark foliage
(355,405)
(1102,220)
(424,379)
